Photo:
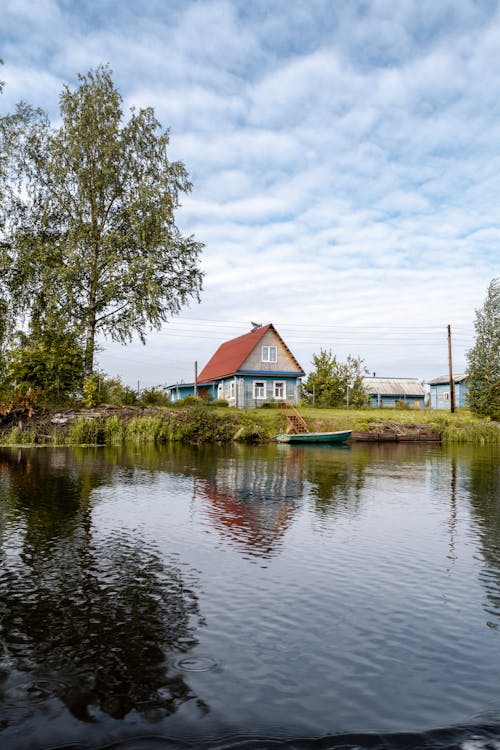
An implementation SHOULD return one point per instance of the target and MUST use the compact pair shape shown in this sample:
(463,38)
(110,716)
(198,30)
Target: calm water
(250,597)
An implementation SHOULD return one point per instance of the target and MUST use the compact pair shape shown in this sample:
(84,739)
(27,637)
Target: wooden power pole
(450,367)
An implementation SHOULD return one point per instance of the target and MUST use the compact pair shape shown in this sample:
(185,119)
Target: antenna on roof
(255,325)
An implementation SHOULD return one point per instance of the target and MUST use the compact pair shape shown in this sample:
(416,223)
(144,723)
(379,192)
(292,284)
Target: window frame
(281,383)
(259,385)
(267,351)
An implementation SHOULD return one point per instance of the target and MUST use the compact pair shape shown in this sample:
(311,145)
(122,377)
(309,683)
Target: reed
(114,431)
(147,430)
(86,432)
(20,437)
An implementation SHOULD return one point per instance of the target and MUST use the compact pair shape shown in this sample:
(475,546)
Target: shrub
(191,401)
(153,397)
(402,405)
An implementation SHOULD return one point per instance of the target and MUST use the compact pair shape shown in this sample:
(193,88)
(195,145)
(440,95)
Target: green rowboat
(315,437)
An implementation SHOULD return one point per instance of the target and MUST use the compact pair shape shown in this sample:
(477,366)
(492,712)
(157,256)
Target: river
(250,597)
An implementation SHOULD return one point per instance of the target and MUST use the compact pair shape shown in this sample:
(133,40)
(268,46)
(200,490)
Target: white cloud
(344,158)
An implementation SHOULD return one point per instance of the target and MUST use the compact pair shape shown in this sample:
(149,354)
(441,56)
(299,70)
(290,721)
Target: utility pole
(196,378)
(450,367)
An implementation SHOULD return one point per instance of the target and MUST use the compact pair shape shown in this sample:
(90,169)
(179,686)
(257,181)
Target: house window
(279,389)
(269,354)
(220,391)
(259,389)
(232,390)
(446,395)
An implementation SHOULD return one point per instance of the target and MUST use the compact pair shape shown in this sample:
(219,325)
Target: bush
(219,402)
(402,405)
(190,401)
(153,397)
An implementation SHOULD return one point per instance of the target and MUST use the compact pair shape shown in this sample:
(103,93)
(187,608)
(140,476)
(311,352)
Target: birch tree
(91,235)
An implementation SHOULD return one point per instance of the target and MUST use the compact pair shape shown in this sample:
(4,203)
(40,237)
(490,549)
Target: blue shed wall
(386,401)
(440,395)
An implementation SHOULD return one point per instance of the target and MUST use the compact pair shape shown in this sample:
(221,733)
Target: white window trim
(266,353)
(283,384)
(232,389)
(446,395)
(255,384)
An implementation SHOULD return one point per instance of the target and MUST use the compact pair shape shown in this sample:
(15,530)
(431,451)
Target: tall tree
(92,234)
(335,383)
(483,372)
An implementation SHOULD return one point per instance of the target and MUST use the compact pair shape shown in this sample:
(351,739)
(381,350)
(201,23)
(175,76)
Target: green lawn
(461,426)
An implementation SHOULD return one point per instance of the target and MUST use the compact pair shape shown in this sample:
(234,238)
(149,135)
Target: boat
(315,437)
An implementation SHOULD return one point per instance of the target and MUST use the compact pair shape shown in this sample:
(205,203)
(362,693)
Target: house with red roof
(247,372)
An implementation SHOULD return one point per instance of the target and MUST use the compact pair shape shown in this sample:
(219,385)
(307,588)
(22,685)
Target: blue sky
(345,160)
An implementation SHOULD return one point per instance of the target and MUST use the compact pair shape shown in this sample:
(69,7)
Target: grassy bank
(203,424)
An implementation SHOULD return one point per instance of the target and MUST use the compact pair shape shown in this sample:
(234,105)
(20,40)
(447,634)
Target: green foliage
(403,405)
(91,394)
(98,389)
(483,372)
(332,381)
(114,431)
(89,230)
(148,429)
(19,436)
(201,425)
(153,397)
(190,401)
(113,391)
(219,402)
(86,432)
(47,359)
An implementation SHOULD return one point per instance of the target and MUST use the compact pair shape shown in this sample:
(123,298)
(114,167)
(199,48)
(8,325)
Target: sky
(344,156)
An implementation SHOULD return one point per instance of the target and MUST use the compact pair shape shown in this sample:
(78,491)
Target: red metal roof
(230,356)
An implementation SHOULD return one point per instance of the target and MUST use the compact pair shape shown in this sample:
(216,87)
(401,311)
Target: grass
(460,427)
(199,425)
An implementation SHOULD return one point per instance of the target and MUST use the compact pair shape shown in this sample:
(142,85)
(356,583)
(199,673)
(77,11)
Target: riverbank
(115,425)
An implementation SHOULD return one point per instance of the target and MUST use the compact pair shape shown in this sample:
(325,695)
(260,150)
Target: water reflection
(251,498)
(336,478)
(482,480)
(92,618)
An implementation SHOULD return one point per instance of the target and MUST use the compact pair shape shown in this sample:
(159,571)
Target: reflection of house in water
(252,501)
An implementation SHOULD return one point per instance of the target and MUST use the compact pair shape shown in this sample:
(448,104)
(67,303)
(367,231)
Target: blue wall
(438,399)
(390,401)
(239,390)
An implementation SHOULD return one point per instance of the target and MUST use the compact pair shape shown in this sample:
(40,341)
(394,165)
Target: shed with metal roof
(391,392)
(440,397)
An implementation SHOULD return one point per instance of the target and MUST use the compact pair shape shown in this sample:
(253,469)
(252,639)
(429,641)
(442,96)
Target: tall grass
(20,437)
(86,432)
(147,430)
(201,425)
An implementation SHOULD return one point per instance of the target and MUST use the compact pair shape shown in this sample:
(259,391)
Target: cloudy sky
(344,154)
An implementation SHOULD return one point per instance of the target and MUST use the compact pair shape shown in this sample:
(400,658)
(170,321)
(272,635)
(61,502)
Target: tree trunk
(88,365)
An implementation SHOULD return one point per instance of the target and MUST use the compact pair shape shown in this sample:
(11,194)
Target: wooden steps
(295,423)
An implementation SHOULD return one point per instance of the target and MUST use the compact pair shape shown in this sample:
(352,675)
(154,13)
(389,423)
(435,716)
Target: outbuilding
(391,392)
(440,392)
